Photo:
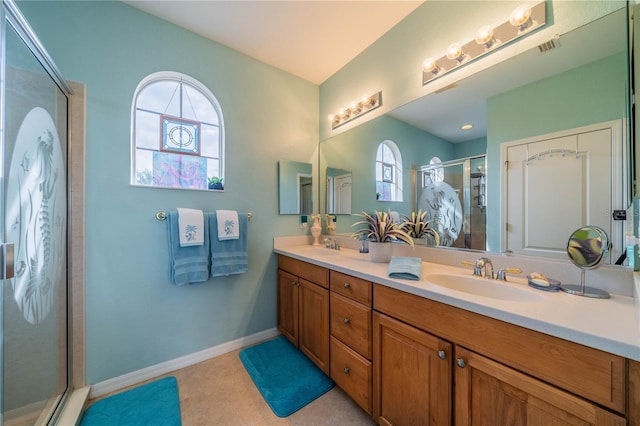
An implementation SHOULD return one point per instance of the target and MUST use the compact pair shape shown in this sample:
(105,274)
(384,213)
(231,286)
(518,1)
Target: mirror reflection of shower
(454,195)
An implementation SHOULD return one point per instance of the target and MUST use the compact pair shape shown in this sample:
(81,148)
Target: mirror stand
(587,248)
(582,290)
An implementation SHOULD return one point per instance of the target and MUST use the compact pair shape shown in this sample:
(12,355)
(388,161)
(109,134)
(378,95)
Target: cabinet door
(314,323)
(288,305)
(411,376)
(489,393)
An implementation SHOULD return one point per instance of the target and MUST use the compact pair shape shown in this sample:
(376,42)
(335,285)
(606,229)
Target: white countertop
(611,325)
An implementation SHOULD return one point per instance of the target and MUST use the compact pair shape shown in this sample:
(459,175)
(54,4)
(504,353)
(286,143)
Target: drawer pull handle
(346,370)
(461,363)
(346,285)
(442,355)
(346,321)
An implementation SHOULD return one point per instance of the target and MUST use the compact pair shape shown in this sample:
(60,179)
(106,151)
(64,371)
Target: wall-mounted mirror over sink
(295,187)
(572,81)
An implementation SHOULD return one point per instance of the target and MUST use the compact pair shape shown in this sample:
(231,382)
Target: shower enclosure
(453,194)
(34,298)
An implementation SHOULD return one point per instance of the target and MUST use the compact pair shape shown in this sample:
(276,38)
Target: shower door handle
(7,265)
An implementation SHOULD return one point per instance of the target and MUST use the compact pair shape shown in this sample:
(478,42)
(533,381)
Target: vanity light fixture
(523,20)
(356,109)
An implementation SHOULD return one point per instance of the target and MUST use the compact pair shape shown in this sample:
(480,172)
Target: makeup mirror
(587,248)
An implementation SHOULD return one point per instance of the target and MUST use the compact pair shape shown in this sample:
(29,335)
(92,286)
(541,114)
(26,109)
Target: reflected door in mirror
(338,191)
(555,184)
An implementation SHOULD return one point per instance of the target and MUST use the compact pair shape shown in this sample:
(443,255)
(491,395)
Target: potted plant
(215,182)
(380,231)
(418,228)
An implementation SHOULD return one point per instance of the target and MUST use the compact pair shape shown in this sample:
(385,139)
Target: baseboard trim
(147,373)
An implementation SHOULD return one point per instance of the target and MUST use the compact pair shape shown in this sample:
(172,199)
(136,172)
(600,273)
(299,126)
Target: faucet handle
(502,273)
(476,269)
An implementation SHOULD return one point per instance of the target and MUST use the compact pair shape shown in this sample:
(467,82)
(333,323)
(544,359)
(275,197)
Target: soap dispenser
(316,229)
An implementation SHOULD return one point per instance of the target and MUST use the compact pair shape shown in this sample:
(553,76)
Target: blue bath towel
(189,264)
(228,256)
(409,268)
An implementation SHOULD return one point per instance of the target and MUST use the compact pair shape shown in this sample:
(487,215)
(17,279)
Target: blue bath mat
(156,403)
(285,377)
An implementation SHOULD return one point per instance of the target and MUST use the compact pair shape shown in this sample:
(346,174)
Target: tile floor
(219,392)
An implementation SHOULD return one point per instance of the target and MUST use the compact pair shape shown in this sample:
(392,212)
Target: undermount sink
(320,250)
(484,287)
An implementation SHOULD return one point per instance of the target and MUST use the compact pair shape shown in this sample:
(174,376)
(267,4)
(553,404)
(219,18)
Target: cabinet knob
(442,355)
(346,321)
(346,285)
(461,363)
(346,370)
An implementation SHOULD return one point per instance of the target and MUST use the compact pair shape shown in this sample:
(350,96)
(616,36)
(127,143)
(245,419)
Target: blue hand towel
(228,256)
(409,268)
(189,264)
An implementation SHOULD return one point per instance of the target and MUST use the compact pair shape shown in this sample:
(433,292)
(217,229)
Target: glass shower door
(453,194)
(34,218)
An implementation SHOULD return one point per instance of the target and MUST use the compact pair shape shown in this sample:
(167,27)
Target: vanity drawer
(351,323)
(314,273)
(352,373)
(354,288)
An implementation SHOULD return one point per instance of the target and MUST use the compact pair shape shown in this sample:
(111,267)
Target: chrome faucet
(483,263)
(330,243)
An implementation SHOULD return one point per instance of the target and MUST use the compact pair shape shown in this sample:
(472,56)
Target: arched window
(388,172)
(177,134)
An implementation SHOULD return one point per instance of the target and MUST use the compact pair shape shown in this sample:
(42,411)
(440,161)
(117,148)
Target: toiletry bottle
(364,247)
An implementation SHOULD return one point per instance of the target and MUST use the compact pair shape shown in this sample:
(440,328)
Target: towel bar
(162,215)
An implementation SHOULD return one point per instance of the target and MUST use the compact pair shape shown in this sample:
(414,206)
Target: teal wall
(550,105)
(355,151)
(135,317)
(470,148)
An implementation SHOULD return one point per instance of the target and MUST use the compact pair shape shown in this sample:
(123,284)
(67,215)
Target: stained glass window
(177,134)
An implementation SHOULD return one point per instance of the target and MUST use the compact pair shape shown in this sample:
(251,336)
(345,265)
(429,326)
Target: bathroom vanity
(413,352)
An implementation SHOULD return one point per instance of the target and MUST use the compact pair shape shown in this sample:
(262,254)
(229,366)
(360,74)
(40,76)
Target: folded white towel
(191,227)
(228,226)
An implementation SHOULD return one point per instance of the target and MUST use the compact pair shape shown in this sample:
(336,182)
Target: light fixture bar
(523,21)
(355,110)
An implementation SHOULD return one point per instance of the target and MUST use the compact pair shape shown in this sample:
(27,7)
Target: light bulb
(454,51)
(521,17)
(429,65)
(485,36)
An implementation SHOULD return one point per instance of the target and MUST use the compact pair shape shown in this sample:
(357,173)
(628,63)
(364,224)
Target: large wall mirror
(576,80)
(295,187)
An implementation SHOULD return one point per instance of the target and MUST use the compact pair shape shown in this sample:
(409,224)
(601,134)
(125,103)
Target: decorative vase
(380,252)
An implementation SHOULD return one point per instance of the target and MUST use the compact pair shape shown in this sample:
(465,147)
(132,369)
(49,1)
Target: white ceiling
(311,39)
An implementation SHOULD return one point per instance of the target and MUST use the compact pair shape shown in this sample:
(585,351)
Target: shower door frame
(11,15)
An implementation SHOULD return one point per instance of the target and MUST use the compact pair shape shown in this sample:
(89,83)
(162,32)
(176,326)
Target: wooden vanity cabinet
(490,393)
(412,375)
(503,373)
(303,308)
(351,346)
